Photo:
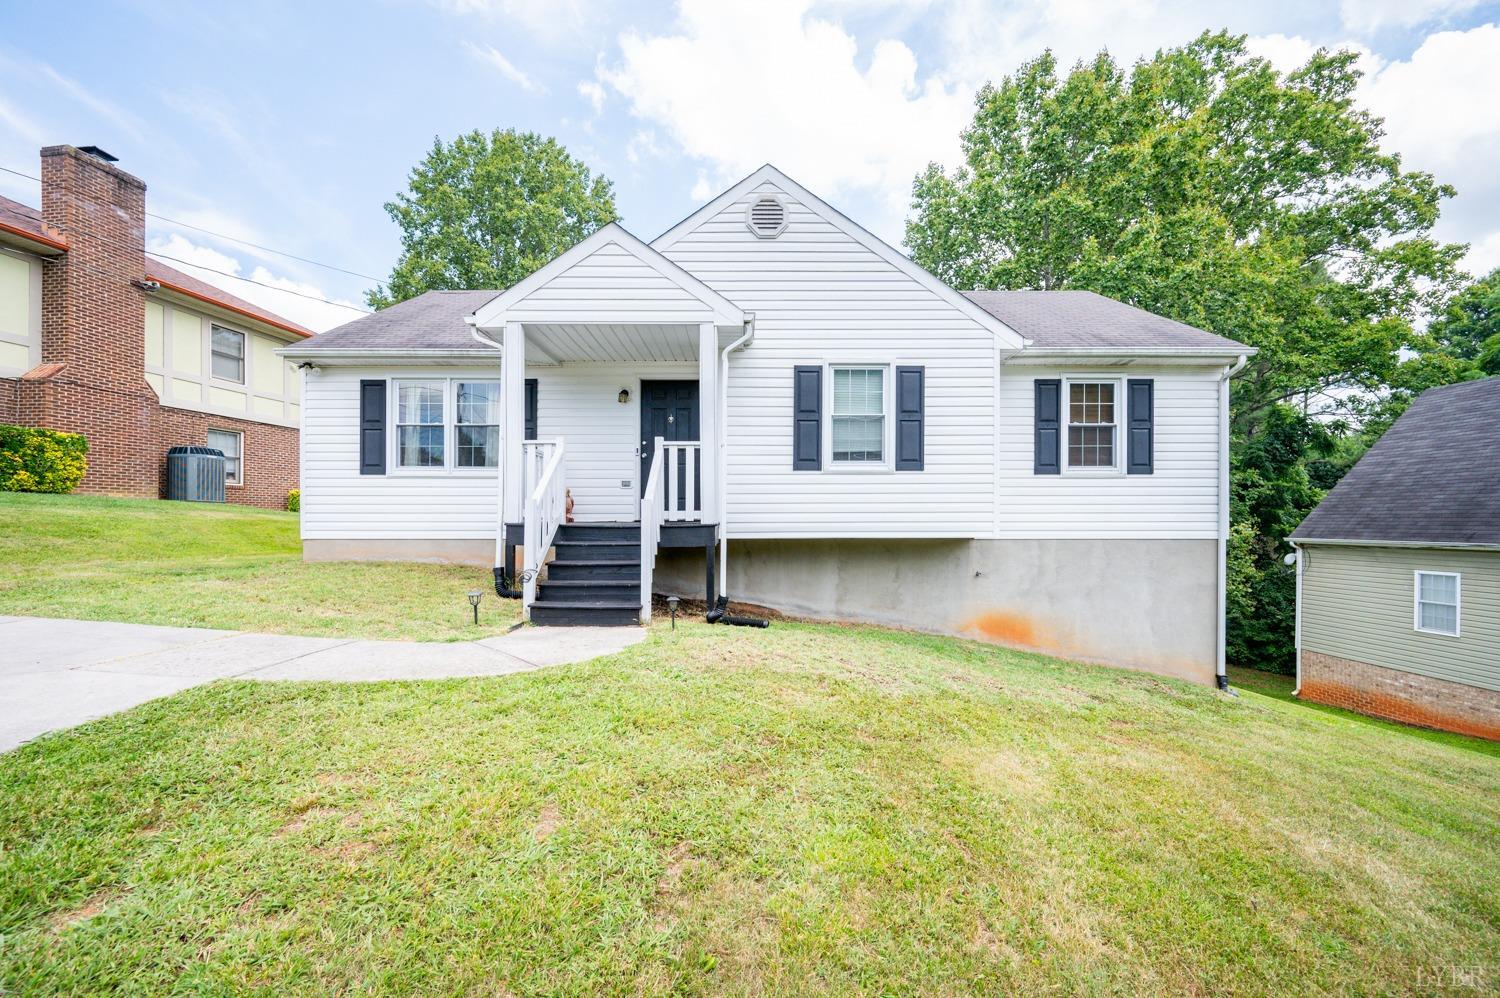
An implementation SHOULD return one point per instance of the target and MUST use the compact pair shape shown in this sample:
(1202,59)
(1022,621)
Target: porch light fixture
(672,602)
(474,597)
(624,395)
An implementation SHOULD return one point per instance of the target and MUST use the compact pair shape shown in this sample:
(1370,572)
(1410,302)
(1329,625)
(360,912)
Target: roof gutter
(1221,674)
(34,237)
(360,353)
(207,300)
(1298,542)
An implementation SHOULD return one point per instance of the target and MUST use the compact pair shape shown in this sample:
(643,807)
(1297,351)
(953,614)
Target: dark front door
(669,409)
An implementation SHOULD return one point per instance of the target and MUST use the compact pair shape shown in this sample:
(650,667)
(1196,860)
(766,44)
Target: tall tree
(1204,185)
(483,211)
(1469,325)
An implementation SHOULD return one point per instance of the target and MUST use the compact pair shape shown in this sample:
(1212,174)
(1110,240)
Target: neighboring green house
(1398,571)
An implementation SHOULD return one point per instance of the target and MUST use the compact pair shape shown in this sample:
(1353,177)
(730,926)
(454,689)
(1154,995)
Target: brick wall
(1400,696)
(92,377)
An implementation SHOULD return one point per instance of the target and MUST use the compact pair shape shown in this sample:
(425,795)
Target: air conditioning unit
(195,474)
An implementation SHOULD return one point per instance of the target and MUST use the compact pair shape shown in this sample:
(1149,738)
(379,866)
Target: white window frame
(243,380)
(1458,603)
(887,418)
(454,424)
(449,467)
(1118,467)
(238,482)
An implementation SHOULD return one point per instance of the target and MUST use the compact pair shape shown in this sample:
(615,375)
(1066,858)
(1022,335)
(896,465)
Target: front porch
(612,361)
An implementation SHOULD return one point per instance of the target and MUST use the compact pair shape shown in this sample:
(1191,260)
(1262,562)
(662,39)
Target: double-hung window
(858,420)
(228,359)
(1437,603)
(478,428)
(1093,424)
(420,426)
(232,446)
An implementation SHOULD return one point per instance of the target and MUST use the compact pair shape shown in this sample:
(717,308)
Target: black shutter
(807,418)
(910,382)
(1139,396)
(1048,426)
(531,409)
(372,427)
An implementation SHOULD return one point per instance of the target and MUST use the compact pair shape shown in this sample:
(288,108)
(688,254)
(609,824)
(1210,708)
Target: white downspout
(1297,626)
(1221,674)
(720,459)
(500,471)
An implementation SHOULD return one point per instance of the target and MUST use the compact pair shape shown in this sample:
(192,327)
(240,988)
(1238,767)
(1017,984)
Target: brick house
(97,338)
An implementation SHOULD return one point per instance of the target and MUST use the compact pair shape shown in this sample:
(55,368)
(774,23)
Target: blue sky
(290,124)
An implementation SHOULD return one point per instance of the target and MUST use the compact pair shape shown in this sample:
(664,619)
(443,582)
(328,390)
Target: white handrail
(682,479)
(535,454)
(651,516)
(546,507)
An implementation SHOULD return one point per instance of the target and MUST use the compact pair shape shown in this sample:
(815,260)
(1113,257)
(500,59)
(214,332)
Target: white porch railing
(683,478)
(546,508)
(651,517)
(534,455)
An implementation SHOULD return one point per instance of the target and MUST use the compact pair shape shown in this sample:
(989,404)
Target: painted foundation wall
(1141,604)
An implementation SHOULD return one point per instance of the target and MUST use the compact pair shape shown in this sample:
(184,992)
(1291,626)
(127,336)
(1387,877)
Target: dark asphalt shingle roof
(1083,320)
(1433,478)
(430,321)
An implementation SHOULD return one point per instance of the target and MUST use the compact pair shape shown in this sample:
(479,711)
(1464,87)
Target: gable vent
(766,217)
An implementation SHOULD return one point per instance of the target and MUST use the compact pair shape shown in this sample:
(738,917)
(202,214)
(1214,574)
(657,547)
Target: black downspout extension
(503,584)
(720,615)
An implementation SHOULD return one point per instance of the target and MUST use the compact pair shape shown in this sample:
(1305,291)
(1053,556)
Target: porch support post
(708,419)
(513,433)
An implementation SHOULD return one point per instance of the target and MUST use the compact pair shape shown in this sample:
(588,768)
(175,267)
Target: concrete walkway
(59,673)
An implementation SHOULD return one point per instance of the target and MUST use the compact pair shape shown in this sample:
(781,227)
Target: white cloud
(1373,15)
(738,85)
(555,21)
(283,295)
(1289,52)
(508,69)
(1443,99)
(591,91)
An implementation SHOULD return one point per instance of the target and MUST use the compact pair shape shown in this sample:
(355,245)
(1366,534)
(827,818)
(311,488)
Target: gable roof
(716,307)
(433,321)
(24,224)
(831,215)
(1434,477)
(1082,321)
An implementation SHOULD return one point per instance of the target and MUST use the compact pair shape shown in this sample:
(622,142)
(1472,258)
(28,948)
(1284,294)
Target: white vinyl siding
(821,297)
(610,285)
(1180,498)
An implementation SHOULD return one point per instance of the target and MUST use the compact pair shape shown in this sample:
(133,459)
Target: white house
(770,396)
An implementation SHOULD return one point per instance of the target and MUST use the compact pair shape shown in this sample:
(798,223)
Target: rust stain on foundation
(1393,708)
(1005,627)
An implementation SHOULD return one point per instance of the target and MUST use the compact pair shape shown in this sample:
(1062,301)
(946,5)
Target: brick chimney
(93,316)
(92,376)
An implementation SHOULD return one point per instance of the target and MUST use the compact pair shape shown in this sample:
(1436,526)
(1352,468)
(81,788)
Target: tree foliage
(484,211)
(1204,185)
(1468,327)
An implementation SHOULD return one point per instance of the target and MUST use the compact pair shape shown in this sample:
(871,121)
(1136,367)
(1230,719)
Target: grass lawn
(233,567)
(724,810)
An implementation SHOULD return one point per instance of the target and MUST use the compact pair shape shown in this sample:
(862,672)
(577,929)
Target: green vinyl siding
(1358,603)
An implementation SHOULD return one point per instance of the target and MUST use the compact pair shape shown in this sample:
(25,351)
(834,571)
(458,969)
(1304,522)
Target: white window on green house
(1091,424)
(228,362)
(1437,602)
(858,415)
(477,427)
(232,445)
(419,424)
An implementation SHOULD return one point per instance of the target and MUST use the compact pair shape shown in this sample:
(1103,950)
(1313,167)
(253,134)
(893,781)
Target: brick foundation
(1400,696)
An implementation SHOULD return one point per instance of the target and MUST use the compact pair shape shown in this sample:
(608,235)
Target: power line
(223,273)
(228,238)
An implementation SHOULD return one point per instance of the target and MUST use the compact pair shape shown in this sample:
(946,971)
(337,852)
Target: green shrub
(37,460)
(294,501)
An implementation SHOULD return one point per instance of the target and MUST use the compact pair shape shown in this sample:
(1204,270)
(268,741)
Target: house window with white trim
(1437,602)
(420,429)
(228,359)
(477,426)
(232,445)
(858,418)
(1093,420)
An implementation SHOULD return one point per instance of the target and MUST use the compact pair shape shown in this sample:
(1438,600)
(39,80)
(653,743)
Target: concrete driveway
(55,674)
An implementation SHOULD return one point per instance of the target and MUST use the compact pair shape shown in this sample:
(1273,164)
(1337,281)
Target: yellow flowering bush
(37,460)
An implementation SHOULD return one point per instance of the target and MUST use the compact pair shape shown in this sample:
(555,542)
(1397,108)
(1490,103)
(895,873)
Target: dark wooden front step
(590,614)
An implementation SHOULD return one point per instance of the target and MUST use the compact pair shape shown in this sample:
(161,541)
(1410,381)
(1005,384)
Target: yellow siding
(187,391)
(15,355)
(265,367)
(15,297)
(187,342)
(154,322)
(223,398)
(156,382)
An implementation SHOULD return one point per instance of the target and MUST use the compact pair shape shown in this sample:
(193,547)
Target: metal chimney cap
(98,153)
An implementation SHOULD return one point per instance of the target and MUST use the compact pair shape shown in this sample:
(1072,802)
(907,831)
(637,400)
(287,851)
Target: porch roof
(610,279)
